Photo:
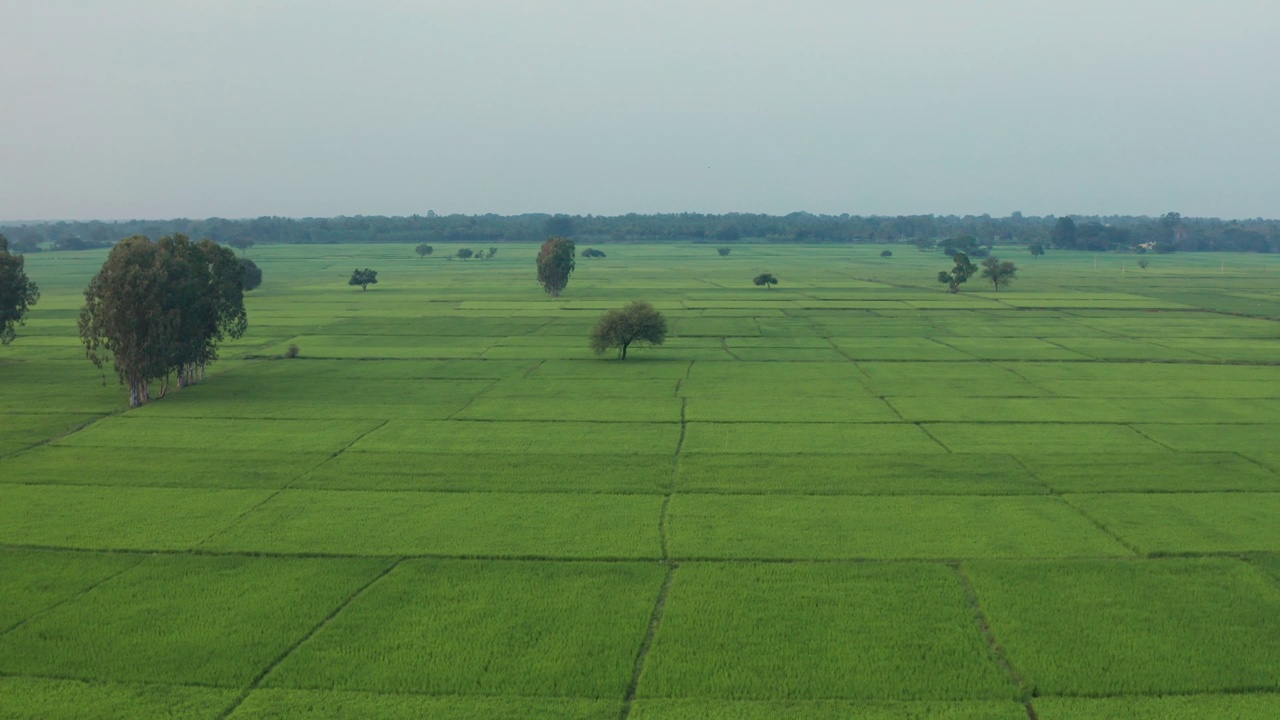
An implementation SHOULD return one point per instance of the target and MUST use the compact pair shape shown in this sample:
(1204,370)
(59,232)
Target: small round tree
(252,274)
(768,280)
(999,272)
(424,250)
(555,262)
(724,251)
(637,322)
(364,278)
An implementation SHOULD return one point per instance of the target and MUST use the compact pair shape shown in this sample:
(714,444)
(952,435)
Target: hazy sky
(181,108)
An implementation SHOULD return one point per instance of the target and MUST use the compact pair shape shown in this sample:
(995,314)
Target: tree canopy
(767,280)
(592,253)
(1180,233)
(252,274)
(619,328)
(160,308)
(999,272)
(555,262)
(1036,249)
(17,293)
(364,278)
(958,275)
(424,250)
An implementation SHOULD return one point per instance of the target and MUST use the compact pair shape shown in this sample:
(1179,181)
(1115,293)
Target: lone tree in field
(886,253)
(364,278)
(592,253)
(252,274)
(424,250)
(17,293)
(724,251)
(999,272)
(959,274)
(637,322)
(768,280)
(160,308)
(465,253)
(1036,249)
(555,262)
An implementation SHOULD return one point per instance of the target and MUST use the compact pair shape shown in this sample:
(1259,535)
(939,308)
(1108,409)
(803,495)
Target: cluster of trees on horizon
(1170,232)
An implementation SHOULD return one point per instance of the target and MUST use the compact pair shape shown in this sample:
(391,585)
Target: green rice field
(852,495)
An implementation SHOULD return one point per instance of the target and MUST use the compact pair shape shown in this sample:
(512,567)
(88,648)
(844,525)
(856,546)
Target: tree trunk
(624,351)
(135,395)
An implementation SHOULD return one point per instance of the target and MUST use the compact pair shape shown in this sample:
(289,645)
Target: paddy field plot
(852,495)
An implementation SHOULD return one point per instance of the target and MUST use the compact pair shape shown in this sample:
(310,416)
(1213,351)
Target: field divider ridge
(257,681)
(1098,524)
(69,598)
(655,621)
(287,485)
(70,431)
(920,424)
(1163,445)
(671,486)
(984,627)
(453,414)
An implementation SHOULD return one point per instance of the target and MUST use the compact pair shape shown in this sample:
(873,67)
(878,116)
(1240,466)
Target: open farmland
(851,495)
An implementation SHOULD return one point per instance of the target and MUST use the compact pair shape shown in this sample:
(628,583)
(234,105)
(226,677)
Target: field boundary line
(655,621)
(1004,365)
(603,559)
(451,415)
(1257,463)
(257,681)
(671,486)
(286,486)
(1173,449)
(45,611)
(931,436)
(1115,536)
(984,627)
(72,431)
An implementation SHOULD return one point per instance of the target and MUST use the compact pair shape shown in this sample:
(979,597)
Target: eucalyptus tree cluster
(160,309)
(17,292)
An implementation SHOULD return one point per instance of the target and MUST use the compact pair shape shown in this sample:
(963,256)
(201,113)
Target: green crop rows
(851,495)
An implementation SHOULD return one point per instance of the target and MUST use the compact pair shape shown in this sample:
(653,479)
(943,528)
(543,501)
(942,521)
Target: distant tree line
(1169,232)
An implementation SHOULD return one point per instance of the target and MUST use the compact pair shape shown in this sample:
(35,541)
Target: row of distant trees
(1077,232)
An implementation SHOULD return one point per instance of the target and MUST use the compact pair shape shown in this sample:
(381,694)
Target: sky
(310,108)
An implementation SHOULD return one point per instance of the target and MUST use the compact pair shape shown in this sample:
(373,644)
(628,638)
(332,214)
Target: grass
(799,631)
(184,620)
(460,471)
(1175,523)
(825,710)
(1150,472)
(904,527)
(1251,706)
(64,465)
(1100,628)
(24,698)
(855,474)
(32,581)
(272,703)
(802,438)
(452,628)
(118,518)
(453,524)
(817,459)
